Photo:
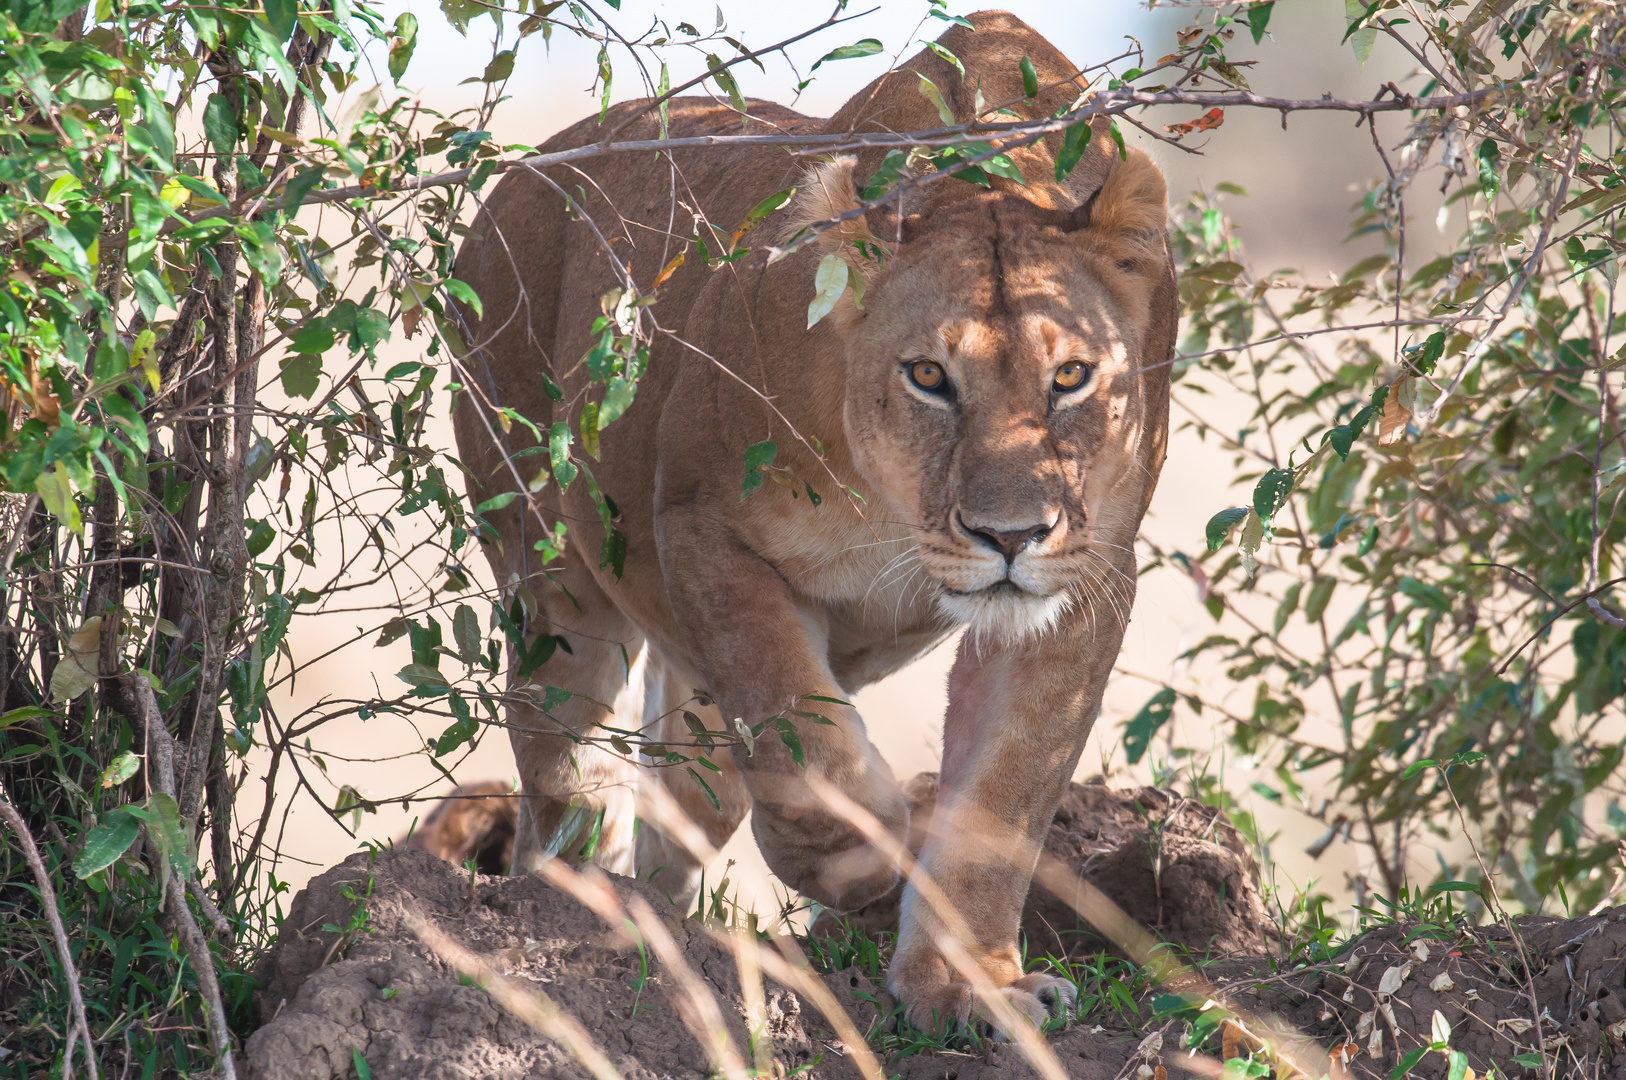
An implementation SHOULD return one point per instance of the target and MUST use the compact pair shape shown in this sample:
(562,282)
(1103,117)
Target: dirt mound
(1171,861)
(339,983)
(381,992)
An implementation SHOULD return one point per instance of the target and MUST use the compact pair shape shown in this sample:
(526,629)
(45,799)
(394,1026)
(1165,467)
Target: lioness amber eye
(928,375)
(1072,375)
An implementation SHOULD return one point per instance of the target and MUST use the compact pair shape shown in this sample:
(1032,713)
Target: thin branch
(1104,103)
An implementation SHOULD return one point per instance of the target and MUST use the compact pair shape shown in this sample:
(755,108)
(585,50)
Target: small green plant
(641,979)
(357,923)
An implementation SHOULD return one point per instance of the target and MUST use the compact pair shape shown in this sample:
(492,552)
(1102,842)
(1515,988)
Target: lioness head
(1007,383)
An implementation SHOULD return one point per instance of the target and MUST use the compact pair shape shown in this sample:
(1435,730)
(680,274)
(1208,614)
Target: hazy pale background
(1301,183)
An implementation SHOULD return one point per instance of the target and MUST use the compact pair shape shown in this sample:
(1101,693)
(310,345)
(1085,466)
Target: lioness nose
(1009,542)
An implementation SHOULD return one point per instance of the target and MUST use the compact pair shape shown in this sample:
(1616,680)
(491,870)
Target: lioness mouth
(1004,587)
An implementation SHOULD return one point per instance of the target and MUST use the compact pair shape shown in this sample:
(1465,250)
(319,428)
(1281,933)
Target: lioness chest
(860,583)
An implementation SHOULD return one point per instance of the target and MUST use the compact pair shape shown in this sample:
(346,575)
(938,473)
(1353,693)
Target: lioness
(997,406)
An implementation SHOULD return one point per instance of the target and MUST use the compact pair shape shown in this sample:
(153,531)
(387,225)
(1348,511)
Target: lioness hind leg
(662,856)
(576,791)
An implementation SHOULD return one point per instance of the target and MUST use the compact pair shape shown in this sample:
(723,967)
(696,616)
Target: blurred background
(1299,184)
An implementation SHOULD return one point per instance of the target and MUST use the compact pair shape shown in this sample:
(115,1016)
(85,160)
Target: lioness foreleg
(765,660)
(1017,719)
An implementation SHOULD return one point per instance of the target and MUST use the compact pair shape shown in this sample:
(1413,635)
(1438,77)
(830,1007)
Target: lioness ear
(829,190)
(1129,206)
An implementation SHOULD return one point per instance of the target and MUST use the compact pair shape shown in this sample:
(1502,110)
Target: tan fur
(742,609)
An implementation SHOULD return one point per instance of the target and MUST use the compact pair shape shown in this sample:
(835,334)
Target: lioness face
(995,394)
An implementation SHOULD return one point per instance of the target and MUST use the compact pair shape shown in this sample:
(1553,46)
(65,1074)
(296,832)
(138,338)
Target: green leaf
(588,424)
(466,632)
(1259,19)
(1428,354)
(1073,144)
(1407,1062)
(863,47)
(421,675)
(1429,596)
(462,291)
(1369,539)
(1030,78)
(220,124)
(710,794)
(725,81)
(106,842)
(164,826)
(1418,766)
(1145,724)
(885,176)
(1320,594)
(1358,34)
(792,741)
(119,770)
(1221,524)
(1455,886)
(363,1071)
(1529,1061)
(1271,492)
(947,57)
(1459,1066)
(1229,73)
(829,282)
(27,712)
(496,502)
(617,400)
(758,456)
(931,93)
(501,66)
(403,44)
(283,15)
(260,537)
(1488,158)
(300,373)
(559,440)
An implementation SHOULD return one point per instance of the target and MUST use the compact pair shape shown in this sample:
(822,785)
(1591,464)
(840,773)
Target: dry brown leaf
(1338,1060)
(671,268)
(1160,1073)
(1396,415)
(409,320)
(47,409)
(1208,121)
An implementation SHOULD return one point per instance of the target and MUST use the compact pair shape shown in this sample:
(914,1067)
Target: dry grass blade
(532,1006)
(790,969)
(695,1002)
(1014,1024)
(755,997)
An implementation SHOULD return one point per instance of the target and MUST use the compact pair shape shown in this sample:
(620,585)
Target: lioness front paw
(1033,999)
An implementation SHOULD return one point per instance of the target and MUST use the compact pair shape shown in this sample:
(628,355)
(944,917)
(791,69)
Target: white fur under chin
(1005,616)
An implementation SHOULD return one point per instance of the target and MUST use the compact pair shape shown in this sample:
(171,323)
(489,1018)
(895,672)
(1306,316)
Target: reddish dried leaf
(1208,121)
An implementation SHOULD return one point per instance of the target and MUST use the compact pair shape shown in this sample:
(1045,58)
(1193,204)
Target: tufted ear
(1128,205)
(828,190)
